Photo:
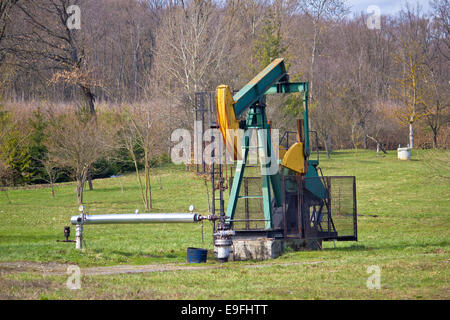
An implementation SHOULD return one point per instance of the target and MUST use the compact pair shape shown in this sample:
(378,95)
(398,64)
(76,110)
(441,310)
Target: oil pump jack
(294,200)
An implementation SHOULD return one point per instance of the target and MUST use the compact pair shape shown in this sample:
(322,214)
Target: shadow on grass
(364,161)
(126,188)
(402,246)
(106,203)
(22,240)
(122,253)
(361,152)
(168,255)
(354,247)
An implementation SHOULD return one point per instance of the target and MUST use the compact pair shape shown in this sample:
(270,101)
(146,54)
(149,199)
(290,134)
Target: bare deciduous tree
(52,171)
(319,11)
(190,50)
(52,43)
(76,143)
(143,127)
(409,89)
(131,51)
(5,8)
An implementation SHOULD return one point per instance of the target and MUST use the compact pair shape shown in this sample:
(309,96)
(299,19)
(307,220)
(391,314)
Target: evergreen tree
(269,45)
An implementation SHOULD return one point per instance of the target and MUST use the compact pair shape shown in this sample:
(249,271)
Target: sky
(386,6)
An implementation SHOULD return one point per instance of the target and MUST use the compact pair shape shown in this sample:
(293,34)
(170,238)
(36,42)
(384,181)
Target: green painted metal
(256,88)
(277,189)
(306,119)
(291,87)
(237,180)
(275,179)
(248,98)
(256,119)
(267,203)
(288,87)
(250,197)
(315,186)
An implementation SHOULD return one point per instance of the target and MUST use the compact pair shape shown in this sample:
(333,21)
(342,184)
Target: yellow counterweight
(226,119)
(294,158)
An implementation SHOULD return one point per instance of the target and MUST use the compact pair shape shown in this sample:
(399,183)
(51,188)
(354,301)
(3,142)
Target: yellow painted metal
(228,124)
(294,158)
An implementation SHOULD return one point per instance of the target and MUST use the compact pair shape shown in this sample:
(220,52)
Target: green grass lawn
(409,239)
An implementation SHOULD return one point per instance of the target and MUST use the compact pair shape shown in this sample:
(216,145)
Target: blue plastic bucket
(196,255)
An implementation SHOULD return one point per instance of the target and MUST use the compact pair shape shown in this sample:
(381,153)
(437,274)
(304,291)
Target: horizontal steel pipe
(136,218)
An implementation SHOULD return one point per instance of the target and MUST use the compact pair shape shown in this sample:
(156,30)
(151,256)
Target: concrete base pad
(268,248)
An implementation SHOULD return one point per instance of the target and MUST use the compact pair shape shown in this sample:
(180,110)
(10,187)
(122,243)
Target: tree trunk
(89,99)
(139,178)
(149,193)
(313,57)
(327,150)
(411,135)
(330,143)
(148,188)
(91,187)
(365,139)
(435,144)
(80,187)
(6,194)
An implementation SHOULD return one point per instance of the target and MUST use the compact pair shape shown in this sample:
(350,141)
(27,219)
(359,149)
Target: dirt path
(53,268)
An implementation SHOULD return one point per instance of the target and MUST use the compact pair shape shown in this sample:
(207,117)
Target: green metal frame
(292,87)
(256,88)
(252,98)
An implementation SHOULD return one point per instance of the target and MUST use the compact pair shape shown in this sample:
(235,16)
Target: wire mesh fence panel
(330,208)
(205,108)
(205,114)
(343,206)
(287,140)
(289,220)
(249,213)
(319,207)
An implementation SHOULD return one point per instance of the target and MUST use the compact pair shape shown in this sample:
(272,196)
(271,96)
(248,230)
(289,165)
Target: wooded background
(132,68)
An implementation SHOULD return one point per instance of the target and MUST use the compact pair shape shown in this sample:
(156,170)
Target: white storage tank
(404,153)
